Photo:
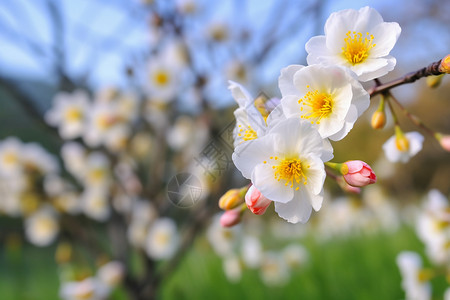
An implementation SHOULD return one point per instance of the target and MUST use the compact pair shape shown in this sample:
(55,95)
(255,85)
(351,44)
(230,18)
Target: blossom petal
(351,118)
(315,174)
(251,153)
(337,26)
(297,210)
(385,36)
(415,142)
(374,68)
(286,80)
(316,200)
(327,153)
(239,93)
(264,180)
(276,115)
(368,18)
(307,139)
(290,105)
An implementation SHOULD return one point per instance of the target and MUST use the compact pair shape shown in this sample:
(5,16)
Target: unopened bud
(378,119)
(256,202)
(347,187)
(434,81)
(444,140)
(232,198)
(445,65)
(358,173)
(231,217)
(355,172)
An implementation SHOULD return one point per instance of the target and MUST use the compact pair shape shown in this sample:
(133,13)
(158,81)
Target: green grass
(361,267)
(354,268)
(28,274)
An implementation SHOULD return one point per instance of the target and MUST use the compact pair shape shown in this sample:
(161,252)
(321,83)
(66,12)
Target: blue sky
(87,22)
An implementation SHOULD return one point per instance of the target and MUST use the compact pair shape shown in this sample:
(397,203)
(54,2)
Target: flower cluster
(433,229)
(283,146)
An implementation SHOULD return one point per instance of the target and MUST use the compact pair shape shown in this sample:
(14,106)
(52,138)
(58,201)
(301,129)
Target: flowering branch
(432,69)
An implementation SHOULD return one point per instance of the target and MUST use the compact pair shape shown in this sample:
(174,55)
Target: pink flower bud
(347,187)
(231,217)
(256,202)
(445,142)
(357,173)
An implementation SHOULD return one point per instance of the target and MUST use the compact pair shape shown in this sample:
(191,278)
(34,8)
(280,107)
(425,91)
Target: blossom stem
(394,115)
(432,69)
(418,122)
(335,166)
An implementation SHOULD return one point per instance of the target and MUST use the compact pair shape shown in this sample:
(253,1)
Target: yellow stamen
(73,114)
(10,158)
(321,105)
(291,171)
(161,78)
(162,238)
(247,134)
(357,47)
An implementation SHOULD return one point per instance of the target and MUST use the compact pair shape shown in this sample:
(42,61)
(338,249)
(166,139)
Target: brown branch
(432,69)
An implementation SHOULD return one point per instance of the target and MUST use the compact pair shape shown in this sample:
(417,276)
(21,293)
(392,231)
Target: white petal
(342,99)
(385,37)
(327,153)
(297,210)
(315,174)
(368,18)
(351,118)
(286,80)
(391,151)
(315,77)
(251,153)
(337,26)
(277,115)
(361,99)
(263,178)
(255,119)
(415,142)
(330,126)
(316,46)
(240,94)
(303,138)
(374,68)
(290,105)
(316,200)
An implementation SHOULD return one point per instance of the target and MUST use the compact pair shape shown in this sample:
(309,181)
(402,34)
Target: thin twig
(432,69)
(412,117)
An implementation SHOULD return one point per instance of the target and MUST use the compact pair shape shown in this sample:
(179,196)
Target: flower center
(161,78)
(402,144)
(321,105)
(73,114)
(44,226)
(10,158)
(97,175)
(247,134)
(289,170)
(357,47)
(162,238)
